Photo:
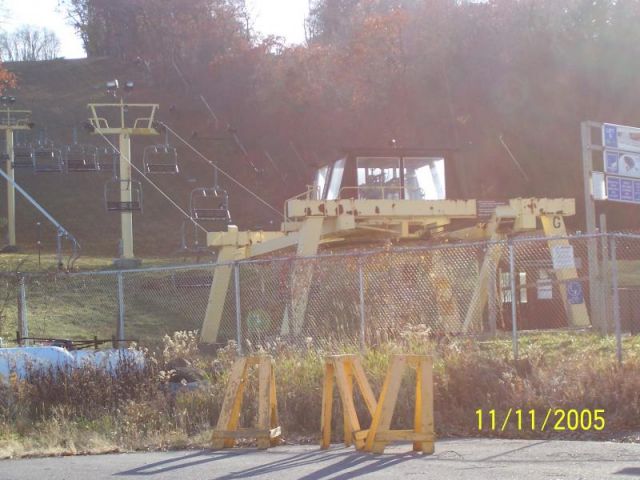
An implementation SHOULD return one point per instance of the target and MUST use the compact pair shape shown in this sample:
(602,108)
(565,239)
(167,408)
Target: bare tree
(29,43)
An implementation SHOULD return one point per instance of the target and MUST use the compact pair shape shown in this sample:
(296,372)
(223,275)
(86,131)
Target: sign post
(595,291)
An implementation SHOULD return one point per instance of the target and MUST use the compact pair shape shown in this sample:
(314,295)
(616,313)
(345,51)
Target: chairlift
(47,159)
(211,205)
(112,191)
(160,159)
(23,156)
(107,159)
(191,241)
(81,158)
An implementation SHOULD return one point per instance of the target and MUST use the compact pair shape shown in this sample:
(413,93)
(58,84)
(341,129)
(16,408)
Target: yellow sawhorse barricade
(267,432)
(344,368)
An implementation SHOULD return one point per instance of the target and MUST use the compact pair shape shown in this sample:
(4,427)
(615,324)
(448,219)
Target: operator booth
(388,174)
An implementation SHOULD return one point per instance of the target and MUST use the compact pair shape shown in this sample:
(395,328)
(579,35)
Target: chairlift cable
(513,158)
(167,197)
(246,189)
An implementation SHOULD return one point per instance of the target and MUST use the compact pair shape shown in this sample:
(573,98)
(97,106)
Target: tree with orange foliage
(7,79)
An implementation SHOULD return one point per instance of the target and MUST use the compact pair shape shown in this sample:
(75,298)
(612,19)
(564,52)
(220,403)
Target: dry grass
(60,413)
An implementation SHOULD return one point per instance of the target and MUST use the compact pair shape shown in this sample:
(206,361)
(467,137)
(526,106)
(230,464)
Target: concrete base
(127,263)
(10,249)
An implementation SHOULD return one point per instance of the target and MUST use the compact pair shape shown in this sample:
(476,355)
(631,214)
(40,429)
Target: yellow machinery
(396,194)
(122,119)
(10,121)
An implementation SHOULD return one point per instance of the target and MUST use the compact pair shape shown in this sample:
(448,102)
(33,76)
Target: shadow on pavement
(197,458)
(635,471)
(337,465)
(347,464)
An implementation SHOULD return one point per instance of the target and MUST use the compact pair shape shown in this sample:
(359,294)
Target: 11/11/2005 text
(554,419)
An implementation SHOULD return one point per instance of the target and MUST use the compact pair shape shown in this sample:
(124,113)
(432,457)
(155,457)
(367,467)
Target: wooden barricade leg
(327,405)
(386,404)
(264,407)
(422,435)
(274,425)
(267,431)
(343,369)
(230,412)
(424,405)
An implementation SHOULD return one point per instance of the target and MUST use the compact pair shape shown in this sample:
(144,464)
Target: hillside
(58,91)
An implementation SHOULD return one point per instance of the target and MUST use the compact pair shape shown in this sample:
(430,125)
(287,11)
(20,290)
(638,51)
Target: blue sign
(620,137)
(611,162)
(613,188)
(575,294)
(625,190)
(624,164)
(610,135)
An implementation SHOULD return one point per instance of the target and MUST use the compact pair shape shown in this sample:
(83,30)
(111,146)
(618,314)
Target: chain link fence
(351,300)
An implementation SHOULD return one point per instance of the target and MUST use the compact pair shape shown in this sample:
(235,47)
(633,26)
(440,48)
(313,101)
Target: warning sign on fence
(574,293)
(562,257)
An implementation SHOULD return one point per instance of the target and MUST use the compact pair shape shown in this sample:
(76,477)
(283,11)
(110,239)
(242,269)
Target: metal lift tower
(120,119)
(11,120)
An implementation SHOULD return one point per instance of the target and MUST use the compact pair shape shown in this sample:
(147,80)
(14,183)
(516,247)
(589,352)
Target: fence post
(605,294)
(514,310)
(121,312)
(616,299)
(492,300)
(23,321)
(236,283)
(362,313)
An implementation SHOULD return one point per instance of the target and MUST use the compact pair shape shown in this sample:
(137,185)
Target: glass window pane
(523,287)
(379,178)
(505,287)
(424,179)
(320,183)
(336,179)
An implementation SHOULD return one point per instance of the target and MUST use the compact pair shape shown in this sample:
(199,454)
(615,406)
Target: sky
(284,18)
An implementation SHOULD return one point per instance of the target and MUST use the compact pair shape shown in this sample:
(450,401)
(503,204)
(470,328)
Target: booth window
(379,178)
(424,179)
(336,179)
(320,183)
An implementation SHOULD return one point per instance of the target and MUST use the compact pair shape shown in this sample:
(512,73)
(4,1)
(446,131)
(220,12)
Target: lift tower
(121,119)
(11,120)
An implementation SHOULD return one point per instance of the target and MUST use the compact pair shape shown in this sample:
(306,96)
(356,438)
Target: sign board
(619,137)
(486,208)
(622,164)
(544,286)
(575,295)
(625,190)
(562,257)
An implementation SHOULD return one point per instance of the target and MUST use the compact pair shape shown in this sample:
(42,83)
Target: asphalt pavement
(453,459)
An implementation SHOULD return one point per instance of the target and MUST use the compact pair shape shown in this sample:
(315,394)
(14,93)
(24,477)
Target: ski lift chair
(81,158)
(107,159)
(23,156)
(211,205)
(160,159)
(47,159)
(112,199)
